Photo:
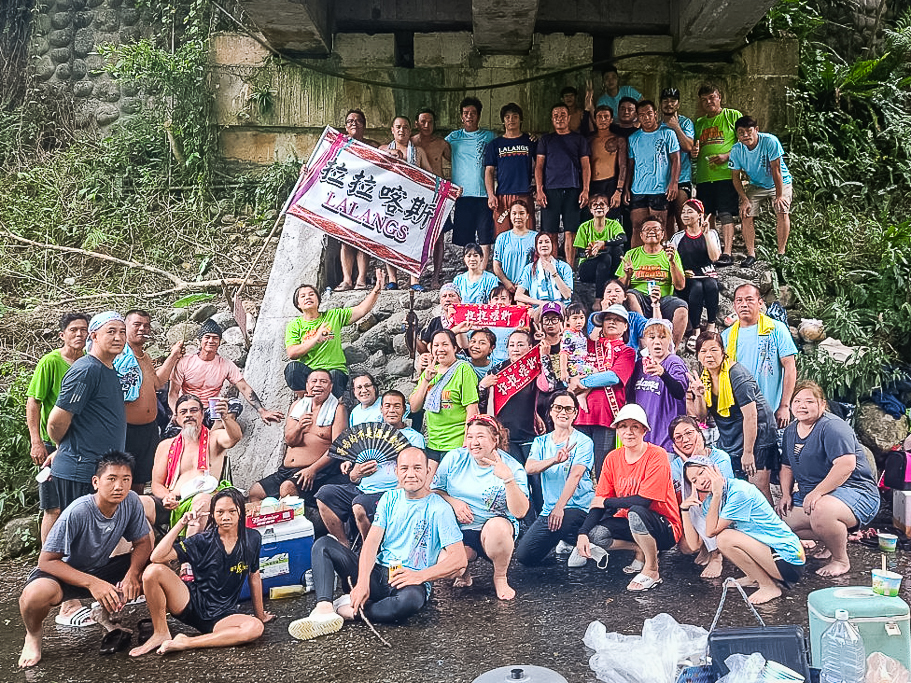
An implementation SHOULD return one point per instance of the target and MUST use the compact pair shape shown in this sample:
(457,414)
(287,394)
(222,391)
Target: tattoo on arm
(254,400)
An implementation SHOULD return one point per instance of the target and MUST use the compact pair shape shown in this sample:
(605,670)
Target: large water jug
(843,656)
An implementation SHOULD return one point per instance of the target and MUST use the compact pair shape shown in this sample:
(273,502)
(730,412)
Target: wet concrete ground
(463,632)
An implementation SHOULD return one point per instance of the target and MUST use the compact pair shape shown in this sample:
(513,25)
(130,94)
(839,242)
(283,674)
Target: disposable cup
(886,582)
(887,542)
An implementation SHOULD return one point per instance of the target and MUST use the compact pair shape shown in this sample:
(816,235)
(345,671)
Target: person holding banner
(476,284)
(403,148)
(564,459)
(516,409)
(314,342)
(488,490)
(449,297)
(355,127)
(513,249)
(546,278)
(447,391)
(614,362)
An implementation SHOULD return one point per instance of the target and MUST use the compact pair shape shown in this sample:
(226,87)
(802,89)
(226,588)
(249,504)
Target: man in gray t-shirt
(76,561)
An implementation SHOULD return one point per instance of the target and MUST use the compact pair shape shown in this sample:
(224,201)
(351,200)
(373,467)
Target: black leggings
(386,603)
(699,293)
(539,540)
(599,269)
(296,374)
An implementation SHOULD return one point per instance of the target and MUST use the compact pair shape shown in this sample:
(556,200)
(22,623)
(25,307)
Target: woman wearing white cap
(614,361)
(635,507)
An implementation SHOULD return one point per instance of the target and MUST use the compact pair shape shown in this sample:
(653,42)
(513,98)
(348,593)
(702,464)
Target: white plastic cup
(887,542)
(886,583)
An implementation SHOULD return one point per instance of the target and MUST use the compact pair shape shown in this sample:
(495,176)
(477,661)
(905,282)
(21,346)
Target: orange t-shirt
(649,477)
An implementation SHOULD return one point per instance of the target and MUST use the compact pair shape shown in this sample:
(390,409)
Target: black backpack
(897,471)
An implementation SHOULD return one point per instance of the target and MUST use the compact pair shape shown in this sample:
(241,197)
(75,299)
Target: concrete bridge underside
(306,27)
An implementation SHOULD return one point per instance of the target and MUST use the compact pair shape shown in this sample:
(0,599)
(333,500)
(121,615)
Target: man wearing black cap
(684,130)
(203,374)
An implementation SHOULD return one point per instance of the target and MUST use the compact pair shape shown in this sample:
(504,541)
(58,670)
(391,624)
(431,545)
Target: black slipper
(115,641)
(144,631)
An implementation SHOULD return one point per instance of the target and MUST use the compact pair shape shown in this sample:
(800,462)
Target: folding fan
(369,441)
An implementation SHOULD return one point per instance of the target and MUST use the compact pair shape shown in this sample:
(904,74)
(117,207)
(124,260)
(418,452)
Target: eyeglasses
(684,435)
(557,408)
(352,122)
(364,386)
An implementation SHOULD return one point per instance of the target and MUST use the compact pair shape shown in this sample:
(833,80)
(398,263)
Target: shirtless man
(414,155)
(608,160)
(570,96)
(195,452)
(436,149)
(314,422)
(140,380)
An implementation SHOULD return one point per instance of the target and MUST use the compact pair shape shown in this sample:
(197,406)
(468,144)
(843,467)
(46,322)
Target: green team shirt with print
(586,234)
(327,355)
(45,385)
(715,135)
(650,267)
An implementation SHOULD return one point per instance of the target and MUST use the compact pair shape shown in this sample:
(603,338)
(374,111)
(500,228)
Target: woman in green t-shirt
(448,393)
(313,341)
(603,242)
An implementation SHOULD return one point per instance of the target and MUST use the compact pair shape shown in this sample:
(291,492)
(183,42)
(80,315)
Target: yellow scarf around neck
(725,392)
(766,327)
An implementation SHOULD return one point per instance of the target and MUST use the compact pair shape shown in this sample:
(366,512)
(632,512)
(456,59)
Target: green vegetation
(849,150)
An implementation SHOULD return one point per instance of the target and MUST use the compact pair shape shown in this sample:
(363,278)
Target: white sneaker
(599,555)
(563,548)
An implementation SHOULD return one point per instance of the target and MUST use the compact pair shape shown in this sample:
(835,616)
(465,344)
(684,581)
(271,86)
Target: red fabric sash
(176,451)
(515,377)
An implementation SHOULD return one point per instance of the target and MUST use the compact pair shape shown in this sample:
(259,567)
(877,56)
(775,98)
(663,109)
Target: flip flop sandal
(647,583)
(634,567)
(78,619)
(144,631)
(343,288)
(115,641)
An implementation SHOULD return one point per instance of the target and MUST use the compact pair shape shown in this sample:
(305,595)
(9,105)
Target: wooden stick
(366,620)
(186,287)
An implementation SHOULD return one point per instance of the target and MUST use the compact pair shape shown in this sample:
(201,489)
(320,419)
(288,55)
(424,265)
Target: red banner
(490,315)
(515,377)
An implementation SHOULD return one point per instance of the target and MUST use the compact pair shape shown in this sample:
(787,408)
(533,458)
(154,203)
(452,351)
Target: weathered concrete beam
(297,260)
(297,26)
(716,25)
(503,27)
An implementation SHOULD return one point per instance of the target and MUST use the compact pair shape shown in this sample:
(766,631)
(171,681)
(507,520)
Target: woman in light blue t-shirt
(546,278)
(564,458)
(475,284)
(488,490)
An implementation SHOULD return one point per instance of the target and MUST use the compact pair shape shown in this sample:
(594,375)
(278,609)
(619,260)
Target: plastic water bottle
(843,654)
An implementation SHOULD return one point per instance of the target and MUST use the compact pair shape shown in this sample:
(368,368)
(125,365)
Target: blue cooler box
(882,622)
(285,554)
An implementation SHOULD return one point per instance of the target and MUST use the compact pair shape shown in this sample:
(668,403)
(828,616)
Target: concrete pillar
(716,25)
(503,27)
(300,26)
(297,261)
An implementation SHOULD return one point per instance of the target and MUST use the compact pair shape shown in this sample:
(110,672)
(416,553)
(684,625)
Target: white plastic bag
(744,668)
(883,669)
(653,657)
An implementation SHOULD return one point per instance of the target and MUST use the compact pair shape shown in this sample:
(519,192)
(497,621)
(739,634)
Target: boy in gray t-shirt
(76,561)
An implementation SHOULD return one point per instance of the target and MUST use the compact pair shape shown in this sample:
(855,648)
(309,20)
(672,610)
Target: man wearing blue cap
(88,420)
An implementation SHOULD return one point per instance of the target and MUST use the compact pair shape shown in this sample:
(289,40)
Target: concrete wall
(754,80)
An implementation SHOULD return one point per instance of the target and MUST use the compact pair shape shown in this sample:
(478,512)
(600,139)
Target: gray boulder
(19,537)
(878,430)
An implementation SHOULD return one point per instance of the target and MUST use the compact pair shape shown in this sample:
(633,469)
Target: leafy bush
(18,490)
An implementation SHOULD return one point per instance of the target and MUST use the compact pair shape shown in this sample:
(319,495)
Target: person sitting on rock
(337,503)
(314,422)
(204,373)
(368,406)
(223,557)
(313,341)
(414,540)
(180,461)
(75,560)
